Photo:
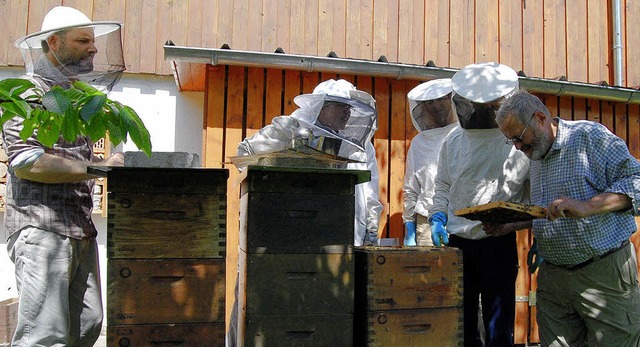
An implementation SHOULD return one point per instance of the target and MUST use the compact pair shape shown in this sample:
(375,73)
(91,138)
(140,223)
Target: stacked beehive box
(166,240)
(408,296)
(296,270)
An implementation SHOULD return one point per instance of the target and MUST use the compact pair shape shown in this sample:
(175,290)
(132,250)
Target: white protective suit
(356,144)
(421,169)
(422,157)
(481,168)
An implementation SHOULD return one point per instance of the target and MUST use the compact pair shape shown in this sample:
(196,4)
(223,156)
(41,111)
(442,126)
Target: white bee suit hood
(431,90)
(106,66)
(362,122)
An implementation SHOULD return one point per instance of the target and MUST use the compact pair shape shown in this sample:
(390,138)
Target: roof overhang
(189,63)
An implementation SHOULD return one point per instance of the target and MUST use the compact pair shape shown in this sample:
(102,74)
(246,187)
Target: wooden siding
(548,39)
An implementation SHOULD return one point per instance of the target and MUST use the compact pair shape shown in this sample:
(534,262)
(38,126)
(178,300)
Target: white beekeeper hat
(335,90)
(60,18)
(431,90)
(484,82)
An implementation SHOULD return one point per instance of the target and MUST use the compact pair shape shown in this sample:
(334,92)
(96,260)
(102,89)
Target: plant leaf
(77,111)
(86,87)
(15,87)
(55,100)
(96,129)
(18,108)
(137,131)
(49,130)
(92,106)
(70,127)
(29,126)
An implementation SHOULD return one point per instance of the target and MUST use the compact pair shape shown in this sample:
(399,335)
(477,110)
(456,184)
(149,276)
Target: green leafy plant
(79,110)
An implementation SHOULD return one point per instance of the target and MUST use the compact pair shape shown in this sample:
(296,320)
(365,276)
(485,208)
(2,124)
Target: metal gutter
(398,71)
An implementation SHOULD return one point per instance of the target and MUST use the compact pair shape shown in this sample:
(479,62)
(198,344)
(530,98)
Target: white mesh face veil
(63,67)
(358,115)
(427,91)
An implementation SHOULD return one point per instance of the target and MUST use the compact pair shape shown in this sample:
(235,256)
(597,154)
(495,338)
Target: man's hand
(570,208)
(567,208)
(116,159)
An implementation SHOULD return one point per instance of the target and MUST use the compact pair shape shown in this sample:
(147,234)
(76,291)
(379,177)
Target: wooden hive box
(298,330)
(296,268)
(192,335)
(392,278)
(289,210)
(408,296)
(281,284)
(441,327)
(166,213)
(153,291)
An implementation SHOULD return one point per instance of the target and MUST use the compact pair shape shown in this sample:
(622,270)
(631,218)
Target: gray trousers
(597,305)
(58,283)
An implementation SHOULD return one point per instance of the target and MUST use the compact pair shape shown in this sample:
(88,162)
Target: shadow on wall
(394,227)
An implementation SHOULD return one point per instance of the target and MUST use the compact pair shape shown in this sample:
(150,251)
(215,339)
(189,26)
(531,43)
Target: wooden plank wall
(543,38)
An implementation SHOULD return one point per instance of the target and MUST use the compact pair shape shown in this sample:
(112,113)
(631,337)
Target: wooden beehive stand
(166,249)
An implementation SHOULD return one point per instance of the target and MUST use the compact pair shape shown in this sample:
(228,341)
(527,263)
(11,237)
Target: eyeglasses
(518,139)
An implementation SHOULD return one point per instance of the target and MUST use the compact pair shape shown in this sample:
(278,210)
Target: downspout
(617,44)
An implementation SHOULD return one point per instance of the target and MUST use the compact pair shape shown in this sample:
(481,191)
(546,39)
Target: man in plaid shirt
(588,290)
(50,235)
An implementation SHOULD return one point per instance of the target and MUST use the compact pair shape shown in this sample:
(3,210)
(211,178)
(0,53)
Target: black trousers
(490,267)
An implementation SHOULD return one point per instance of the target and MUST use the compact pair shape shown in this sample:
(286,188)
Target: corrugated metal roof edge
(382,68)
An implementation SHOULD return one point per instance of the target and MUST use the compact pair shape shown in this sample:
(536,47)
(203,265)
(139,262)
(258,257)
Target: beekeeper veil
(337,110)
(479,90)
(430,104)
(101,65)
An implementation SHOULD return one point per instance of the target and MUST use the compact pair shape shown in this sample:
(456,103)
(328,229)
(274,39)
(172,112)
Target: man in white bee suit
(434,118)
(476,167)
(341,120)
(338,119)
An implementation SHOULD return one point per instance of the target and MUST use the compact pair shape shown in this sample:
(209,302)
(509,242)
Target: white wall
(174,120)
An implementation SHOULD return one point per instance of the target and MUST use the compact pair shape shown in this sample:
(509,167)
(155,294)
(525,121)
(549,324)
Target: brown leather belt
(585,263)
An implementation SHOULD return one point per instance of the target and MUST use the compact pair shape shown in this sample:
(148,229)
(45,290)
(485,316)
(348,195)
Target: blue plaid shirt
(585,160)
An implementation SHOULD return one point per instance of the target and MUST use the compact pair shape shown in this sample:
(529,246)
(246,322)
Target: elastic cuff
(25,159)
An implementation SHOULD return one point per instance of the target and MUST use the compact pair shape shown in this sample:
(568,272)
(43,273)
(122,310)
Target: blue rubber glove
(410,235)
(533,259)
(439,234)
